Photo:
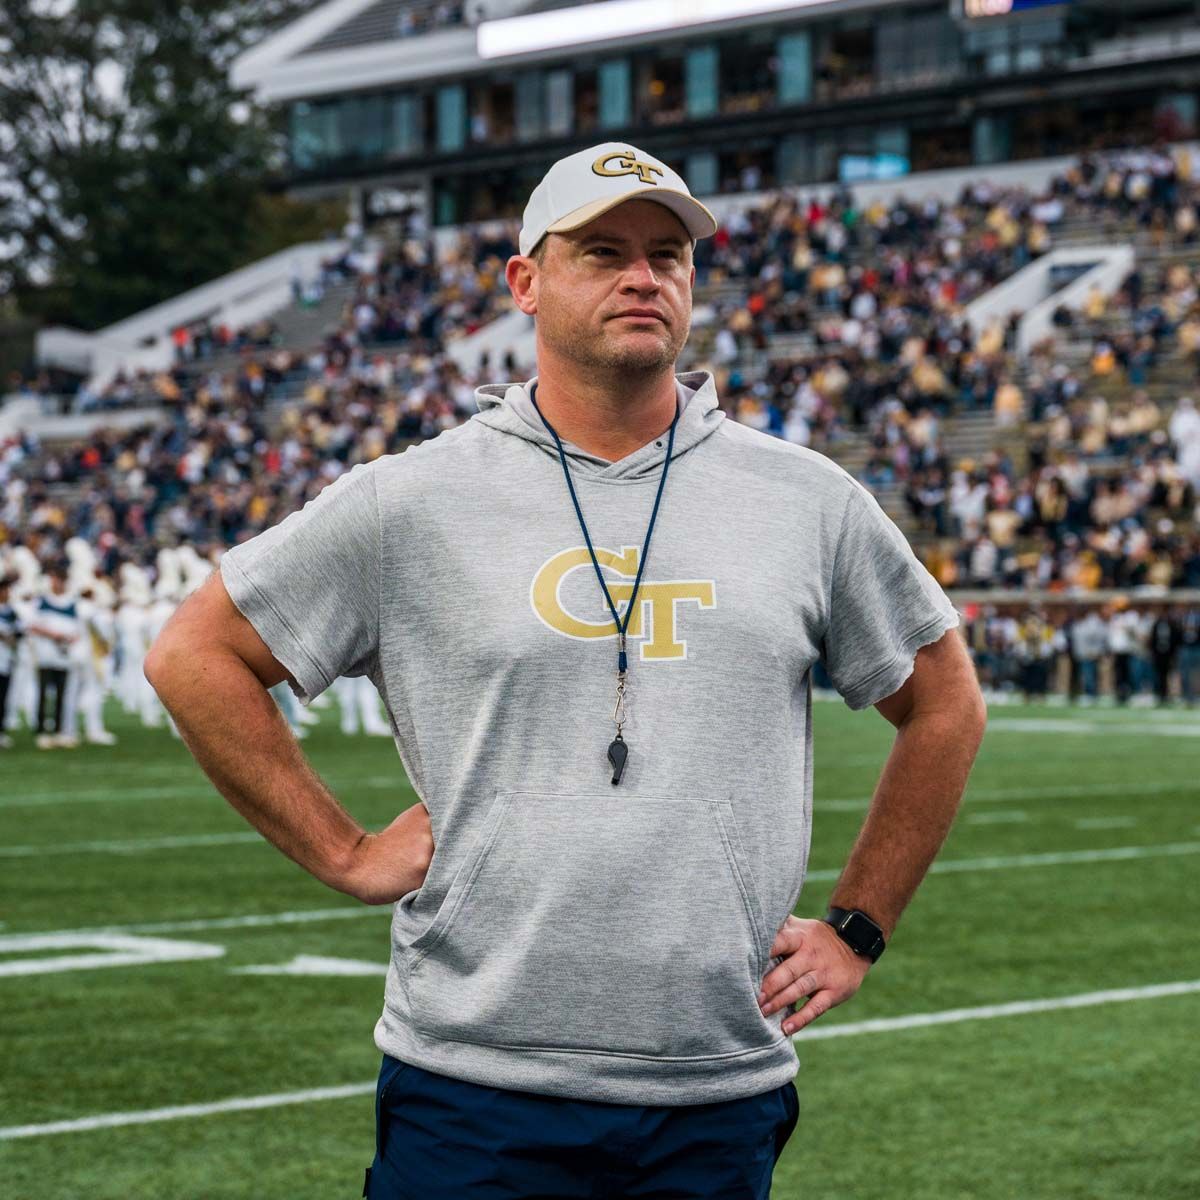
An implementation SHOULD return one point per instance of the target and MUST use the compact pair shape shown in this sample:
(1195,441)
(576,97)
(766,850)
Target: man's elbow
(976,714)
(159,661)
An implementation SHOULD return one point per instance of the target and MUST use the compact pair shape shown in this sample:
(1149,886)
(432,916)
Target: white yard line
(302,916)
(847,1029)
(110,793)
(1015,1008)
(1058,858)
(1063,791)
(133,845)
(1137,727)
(998,796)
(1009,816)
(992,863)
(145,1117)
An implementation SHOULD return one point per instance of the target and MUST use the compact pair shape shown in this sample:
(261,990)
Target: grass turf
(1093,1102)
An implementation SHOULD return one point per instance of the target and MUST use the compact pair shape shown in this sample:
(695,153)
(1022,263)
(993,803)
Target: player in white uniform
(131,640)
(23,688)
(92,655)
(359,704)
(54,626)
(156,616)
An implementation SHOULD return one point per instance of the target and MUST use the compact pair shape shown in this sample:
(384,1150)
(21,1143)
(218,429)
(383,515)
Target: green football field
(1024,1037)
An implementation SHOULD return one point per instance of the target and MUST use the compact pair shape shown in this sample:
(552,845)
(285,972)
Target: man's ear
(520,273)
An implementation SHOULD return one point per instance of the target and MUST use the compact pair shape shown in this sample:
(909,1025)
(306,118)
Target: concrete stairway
(300,328)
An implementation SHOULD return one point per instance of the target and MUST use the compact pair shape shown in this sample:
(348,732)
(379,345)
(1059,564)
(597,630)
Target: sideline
(881,1025)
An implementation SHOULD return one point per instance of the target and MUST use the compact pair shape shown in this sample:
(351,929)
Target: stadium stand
(841,326)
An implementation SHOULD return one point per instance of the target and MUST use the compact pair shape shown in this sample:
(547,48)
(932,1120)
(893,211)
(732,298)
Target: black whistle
(618,752)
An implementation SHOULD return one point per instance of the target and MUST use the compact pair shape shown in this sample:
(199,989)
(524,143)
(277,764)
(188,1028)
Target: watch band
(858,931)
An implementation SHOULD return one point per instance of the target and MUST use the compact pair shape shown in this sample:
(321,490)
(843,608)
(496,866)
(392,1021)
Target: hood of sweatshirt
(509,408)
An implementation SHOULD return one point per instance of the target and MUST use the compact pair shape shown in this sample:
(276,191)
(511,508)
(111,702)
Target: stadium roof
(355,44)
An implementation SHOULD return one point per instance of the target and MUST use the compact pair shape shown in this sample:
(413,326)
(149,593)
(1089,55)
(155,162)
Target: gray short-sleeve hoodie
(571,937)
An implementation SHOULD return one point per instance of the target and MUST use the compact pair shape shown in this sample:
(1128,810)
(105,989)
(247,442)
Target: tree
(129,168)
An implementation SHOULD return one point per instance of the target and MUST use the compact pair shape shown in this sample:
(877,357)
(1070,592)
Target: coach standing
(594,962)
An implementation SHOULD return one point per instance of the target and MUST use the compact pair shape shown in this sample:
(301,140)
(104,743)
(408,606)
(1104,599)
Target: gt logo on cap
(629,166)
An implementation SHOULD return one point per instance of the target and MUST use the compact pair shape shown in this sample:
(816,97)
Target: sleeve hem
(283,642)
(891,676)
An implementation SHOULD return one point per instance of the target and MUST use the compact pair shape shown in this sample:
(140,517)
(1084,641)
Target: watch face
(861,932)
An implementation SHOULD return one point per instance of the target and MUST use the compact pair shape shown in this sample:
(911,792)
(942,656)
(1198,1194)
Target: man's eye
(660,253)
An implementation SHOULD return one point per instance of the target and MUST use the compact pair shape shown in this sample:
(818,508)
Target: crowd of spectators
(410,296)
(1110,499)
(1118,652)
(830,320)
(1153,187)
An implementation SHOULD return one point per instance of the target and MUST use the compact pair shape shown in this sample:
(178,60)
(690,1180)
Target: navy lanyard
(618,751)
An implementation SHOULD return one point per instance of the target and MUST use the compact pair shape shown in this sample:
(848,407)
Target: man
(594,961)
(1164,643)
(1189,653)
(1123,636)
(1088,636)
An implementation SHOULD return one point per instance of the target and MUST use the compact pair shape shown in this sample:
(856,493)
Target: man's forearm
(237,734)
(912,810)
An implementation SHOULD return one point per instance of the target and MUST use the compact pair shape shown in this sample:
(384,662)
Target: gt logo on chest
(661,597)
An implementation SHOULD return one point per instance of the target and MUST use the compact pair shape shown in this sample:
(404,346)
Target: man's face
(636,255)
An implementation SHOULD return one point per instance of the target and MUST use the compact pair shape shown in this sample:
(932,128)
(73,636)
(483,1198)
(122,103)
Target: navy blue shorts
(439,1138)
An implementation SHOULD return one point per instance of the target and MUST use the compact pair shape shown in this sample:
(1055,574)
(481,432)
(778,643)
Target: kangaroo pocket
(609,922)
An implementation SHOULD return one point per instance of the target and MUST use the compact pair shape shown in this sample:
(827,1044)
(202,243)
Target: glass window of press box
(916,49)
(356,130)
(672,83)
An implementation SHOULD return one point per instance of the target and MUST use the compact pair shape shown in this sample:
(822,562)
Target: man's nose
(642,273)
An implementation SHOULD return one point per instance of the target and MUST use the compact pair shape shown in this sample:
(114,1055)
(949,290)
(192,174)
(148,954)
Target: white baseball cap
(583,185)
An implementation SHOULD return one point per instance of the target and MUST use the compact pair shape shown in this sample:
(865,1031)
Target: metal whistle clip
(619,714)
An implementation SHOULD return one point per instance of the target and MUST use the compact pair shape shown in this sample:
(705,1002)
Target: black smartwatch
(857,930)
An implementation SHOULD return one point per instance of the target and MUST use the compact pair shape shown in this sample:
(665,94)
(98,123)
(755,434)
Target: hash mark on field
(1105,822)
(813,1033)
(315,964)
(1008,816)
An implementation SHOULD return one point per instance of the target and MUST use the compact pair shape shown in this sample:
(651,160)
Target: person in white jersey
(54,628)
